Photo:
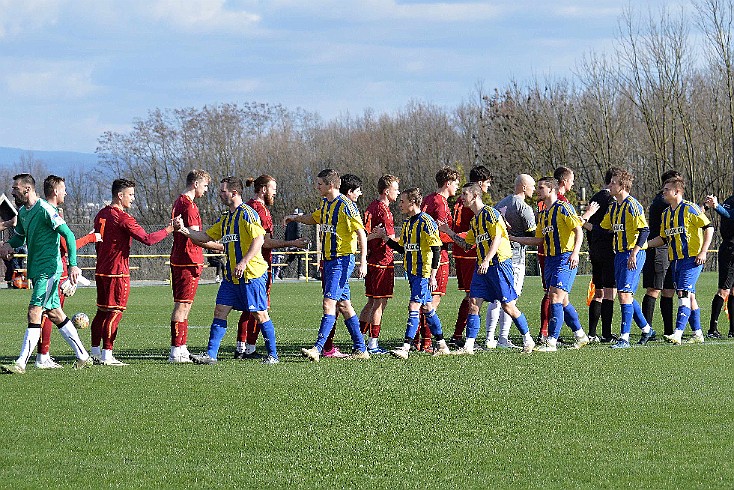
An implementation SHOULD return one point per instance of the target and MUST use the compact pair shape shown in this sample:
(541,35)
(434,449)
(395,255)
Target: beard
(269,200)
(18,201)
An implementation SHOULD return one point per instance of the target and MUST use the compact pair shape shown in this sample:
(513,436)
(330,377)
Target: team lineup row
(488,247)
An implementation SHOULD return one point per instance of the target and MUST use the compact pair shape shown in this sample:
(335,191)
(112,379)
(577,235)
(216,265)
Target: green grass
(646,417)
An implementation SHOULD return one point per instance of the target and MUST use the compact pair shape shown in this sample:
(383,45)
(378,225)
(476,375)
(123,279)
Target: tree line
(664,98)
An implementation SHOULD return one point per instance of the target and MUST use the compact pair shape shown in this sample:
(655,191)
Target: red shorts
(442,278)
(465,267)
(112,291)
(380,281)
(184,282)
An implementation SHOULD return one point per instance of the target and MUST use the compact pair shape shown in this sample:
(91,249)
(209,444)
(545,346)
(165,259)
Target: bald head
(524,184)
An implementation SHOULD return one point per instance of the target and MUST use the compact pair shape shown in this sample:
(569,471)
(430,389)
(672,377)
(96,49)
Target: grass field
(654,417)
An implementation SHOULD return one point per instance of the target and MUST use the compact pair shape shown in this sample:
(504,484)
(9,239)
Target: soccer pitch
(655,417)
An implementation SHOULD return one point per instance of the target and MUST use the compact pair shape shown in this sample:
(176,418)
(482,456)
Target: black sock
(666,309)
(594,315)
(716,305)
(607,313)
(648,307)
(730,307)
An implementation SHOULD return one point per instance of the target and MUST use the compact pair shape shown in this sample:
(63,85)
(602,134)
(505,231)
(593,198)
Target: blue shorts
(245,296)
(685,274)
(419,290)
(496,285)
(336,277)
(627,280)
(557,273)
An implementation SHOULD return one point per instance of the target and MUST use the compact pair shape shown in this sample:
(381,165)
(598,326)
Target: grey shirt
(520,219)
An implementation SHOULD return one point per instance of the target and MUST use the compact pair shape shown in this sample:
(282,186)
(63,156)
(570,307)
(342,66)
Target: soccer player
(601,256)
(436,205)
(54,190)
(420,243)
(493,274)
(726,266)
(521,220)
(688,233)
(248,328)
(380,278)
(351,187)
(244,286)
(40,227)
(565,178)
(112,273)
(625,220)
(341,229)
(559,230)
(657,276)
(187,262)
(465,260)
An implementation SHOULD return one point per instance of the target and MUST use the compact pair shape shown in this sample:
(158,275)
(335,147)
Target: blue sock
(556,320)
(640,319)
(357,338)
(628,312)
(684,313)
(571,318)
(522,323)
(434,323)
(694,320)
(327,323)
(412,327)
(268,331)
(216,334)
(473,324)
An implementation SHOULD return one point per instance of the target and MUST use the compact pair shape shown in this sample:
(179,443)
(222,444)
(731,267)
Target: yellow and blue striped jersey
(236,230)
(625,219)
(682,229)
(418,235)
(556,226)
(486,226)
(339,219)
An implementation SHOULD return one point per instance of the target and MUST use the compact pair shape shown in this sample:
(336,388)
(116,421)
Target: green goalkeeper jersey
(37,226)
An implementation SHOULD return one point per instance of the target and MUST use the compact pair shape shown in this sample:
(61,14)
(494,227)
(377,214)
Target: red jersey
(266,220)
(118,230)
(64,250)
(377,213)
(437,208)
(185,252)
(462,224)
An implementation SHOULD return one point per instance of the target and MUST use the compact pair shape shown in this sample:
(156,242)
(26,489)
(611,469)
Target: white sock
(505,324)
(241,346)
(183,350)
(469,344)
(625,336)
(372,343)
(30,340)
(646,329)
(97,352)
(71,336)
(107,354)
(579,334)
(41,358)
(552,341)
(174,351)
(442,344)
(491,319)
(698,333)
(249,348)
(406,347)
(527,338)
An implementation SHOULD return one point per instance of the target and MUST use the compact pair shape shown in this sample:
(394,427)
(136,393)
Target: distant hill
(60,161)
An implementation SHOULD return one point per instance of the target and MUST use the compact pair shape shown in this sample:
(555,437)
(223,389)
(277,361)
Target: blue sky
(70,70)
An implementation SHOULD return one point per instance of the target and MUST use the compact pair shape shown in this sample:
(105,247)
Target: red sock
(98,327)
(253,330)
(179,333)
(44,343)
(374,331)
(242,326)
(109,333)
(461,319)
(364,327)
(545,315)
(329,345)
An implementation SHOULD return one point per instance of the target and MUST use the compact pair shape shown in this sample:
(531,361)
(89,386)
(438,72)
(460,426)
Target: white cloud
(54,80)
(199,14)
(17,16)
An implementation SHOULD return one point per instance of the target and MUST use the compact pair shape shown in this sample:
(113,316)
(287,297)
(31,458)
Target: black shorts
(726,265)
(602,270)
(656,273)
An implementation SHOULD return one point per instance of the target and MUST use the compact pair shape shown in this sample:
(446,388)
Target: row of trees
(659,101)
